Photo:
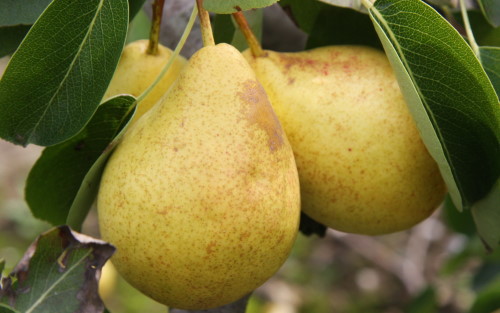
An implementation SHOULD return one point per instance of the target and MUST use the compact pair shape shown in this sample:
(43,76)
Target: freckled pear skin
(137,70)
(362,165)
(201,198)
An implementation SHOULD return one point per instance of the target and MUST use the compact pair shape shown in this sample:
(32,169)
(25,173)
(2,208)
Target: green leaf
(15,12)
(7,309)
(353,4)
(490,58)
(425,302)
(226,30)
(491,10)
(57,77)
(484,33)
(460,222)
(488,300)
(254,19)
(448,93)
(340,26)
(62,170)
(231,6)
(486,215)
(304,12)
(139,27)
(223,28)
(11,37)
(58,273)
(135,7)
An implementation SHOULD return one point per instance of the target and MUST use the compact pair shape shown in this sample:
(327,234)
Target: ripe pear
(363,167)
(137,70)
(201,198)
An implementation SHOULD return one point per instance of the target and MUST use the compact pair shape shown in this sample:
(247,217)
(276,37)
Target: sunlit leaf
(58,75)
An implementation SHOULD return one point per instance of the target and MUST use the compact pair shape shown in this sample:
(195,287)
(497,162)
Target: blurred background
(438,266)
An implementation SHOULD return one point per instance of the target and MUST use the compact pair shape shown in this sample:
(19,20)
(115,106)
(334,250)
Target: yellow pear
(137,70)
(362,165)
(201,198)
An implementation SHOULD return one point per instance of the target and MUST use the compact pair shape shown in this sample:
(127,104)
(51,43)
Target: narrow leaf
(58,75)
(491,10)
(15,12)
(58,273)
(490,58)
(231,6)
(61,170)
(448,93)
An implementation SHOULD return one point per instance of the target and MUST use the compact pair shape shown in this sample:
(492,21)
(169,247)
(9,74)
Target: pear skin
(362,165)
(137,70)
(201,198)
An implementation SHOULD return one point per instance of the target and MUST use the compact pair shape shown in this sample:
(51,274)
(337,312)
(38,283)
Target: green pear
(201,198)
(137,70)
(363,167)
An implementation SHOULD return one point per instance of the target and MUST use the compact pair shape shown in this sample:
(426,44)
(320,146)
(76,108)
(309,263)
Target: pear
(137,70)
(201,198)
(363,167)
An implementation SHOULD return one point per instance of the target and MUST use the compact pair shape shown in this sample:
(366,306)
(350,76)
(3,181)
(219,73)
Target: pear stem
(174,55)
(206,28)
(252,41)
(154,34)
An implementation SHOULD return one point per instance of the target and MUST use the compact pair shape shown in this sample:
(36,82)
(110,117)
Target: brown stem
(206,28)
(252,41)
(154,34)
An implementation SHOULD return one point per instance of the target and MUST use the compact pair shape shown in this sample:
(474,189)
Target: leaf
(254,19)
(309,227)
(425,302)
(488,300)
(448,93)
(491,10)
(58,273)
(353,4)
(135,7)
(304,12)
(139,27)
(484,33)
(223,28)
(460,222)
(11,37)
(59,173)
(340,26)
(226,29)
(490,58)
(58,75)
(7,309)
(15,12)
(486,215)
(231,6)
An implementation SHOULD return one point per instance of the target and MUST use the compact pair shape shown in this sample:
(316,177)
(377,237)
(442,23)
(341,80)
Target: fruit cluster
(202,196)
